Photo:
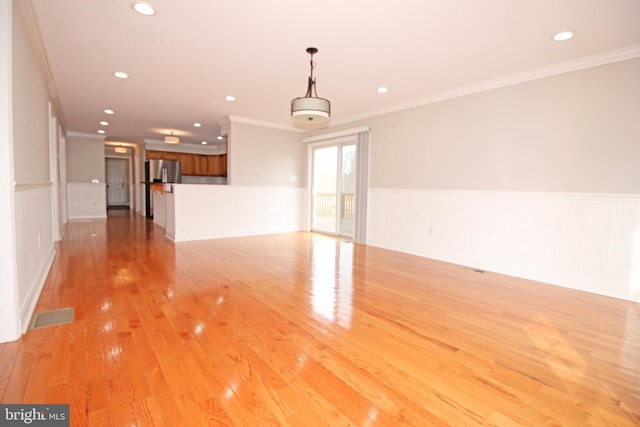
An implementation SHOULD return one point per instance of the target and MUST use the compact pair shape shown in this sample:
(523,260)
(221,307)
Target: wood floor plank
(304,329)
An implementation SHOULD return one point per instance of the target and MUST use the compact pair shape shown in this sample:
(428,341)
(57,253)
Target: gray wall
(30,107)
(575,132)
(85,158)
(259,156)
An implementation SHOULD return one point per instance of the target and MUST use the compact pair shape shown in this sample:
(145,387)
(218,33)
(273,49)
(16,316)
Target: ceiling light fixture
(204,142)
(170,139)
(310,108)
(230,98)
(109,111)
(121,150)
(101,132)
(382,89)
(220,137)
(121,75)
(103,123)
(564,35)
(144,8)
(197,125)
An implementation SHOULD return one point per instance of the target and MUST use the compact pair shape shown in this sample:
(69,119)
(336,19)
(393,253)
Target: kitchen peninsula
(199,212)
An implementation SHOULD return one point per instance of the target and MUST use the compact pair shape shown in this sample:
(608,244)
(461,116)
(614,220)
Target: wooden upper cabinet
(170,155)
(154,155)
(194,164)
(217,165)
(186,161)
(223,165)
(213,166)
(201,164)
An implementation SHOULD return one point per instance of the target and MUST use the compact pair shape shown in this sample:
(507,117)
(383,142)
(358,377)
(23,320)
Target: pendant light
(170,139)
(310,108)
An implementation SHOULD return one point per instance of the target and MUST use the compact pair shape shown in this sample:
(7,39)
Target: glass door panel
(325,179)
(334,187)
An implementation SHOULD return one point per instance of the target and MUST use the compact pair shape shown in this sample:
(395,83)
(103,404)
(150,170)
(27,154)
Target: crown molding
(610,57)
(85,135)
(33,31)
(266,124)
(214,148)
(337,134)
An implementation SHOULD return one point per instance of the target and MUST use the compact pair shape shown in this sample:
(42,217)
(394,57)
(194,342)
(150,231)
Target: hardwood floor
(301,329)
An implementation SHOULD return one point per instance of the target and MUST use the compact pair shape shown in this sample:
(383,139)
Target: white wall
(86,190)
(197,212)
(9,306)
(539,180)
(25,144)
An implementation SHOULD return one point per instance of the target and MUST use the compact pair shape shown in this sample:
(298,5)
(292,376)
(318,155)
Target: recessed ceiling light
(197,124)
(230,98)
(103,123)
(144,9)
(382,89)
(109,111)
(204,142)
(101,131)
(121,75)
(564,35)
(220,137)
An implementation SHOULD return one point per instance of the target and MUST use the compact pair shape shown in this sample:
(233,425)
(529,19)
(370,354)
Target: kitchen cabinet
(186,160)
(201,165)
(223,164)
(169,155)
(194,164)
(213,166)
(154,155)
(217,165)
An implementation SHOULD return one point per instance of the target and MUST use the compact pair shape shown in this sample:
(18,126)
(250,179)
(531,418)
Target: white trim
(26,186)
(533,74)
(31,23)
(85,135)
(336,134)
(214,148)
(513,194)
(34,291)
(266,124)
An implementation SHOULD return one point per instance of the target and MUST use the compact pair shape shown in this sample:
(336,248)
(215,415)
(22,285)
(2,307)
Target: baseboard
(30,302)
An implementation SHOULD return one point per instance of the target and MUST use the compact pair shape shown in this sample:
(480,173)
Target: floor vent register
(52,318)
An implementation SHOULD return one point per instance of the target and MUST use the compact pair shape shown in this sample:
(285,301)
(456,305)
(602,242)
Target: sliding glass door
(334,186)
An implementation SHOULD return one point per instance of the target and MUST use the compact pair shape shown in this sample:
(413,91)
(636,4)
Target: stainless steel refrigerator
(163,171)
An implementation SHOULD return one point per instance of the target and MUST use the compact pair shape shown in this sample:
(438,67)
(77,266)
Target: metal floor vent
(476,270)
(52,318)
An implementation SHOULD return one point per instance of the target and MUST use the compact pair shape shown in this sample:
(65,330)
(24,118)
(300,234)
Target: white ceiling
(184,60)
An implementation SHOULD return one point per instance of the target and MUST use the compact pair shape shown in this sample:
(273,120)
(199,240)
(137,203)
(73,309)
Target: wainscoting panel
(35,247)
(589,242)
(212,211)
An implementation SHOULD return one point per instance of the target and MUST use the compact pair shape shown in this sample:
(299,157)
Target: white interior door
(117,187)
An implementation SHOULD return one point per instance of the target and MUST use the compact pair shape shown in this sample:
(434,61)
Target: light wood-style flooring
(301,329)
